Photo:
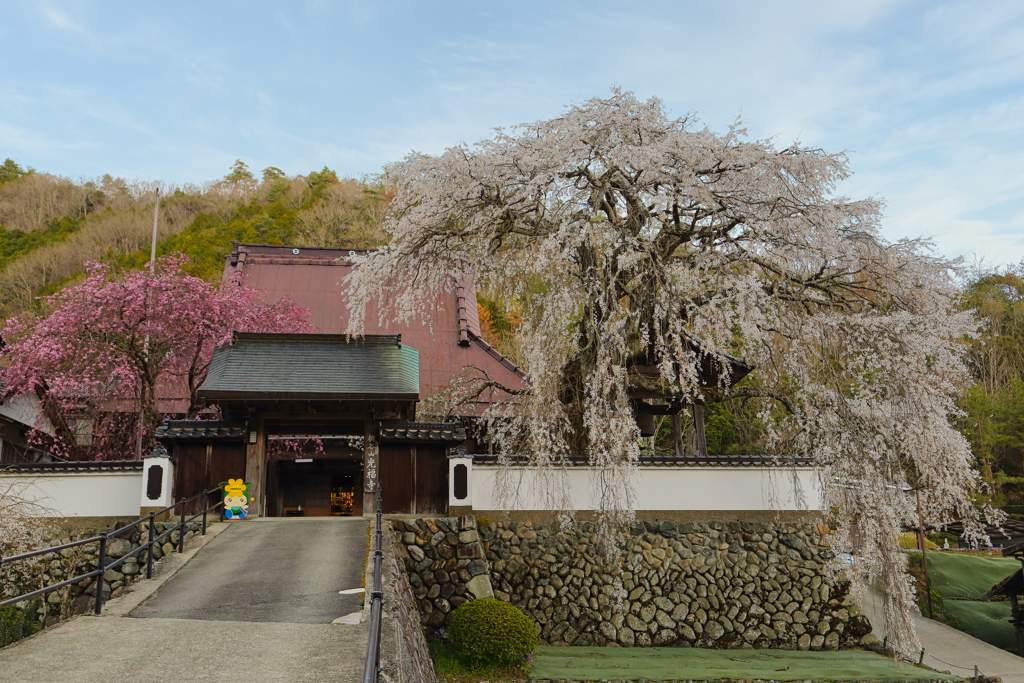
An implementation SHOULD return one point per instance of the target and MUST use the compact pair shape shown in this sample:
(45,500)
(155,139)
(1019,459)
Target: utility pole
(924,554)
(152,252)
(152,273)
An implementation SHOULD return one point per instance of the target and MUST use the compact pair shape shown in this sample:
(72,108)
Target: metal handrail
(101,562)
(371,670)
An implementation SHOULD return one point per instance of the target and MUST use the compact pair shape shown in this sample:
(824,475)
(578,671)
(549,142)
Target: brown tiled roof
(202,430)
(1008,528)
(246,253)
(422,431)
(497,355)
(453,322)
(469,325)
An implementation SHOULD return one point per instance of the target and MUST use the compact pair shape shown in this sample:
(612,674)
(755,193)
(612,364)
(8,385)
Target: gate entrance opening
(316,488)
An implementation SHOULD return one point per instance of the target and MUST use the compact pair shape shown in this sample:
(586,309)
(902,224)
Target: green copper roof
(312,366)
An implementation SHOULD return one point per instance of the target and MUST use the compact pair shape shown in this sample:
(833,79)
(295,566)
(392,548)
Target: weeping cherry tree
(646,246)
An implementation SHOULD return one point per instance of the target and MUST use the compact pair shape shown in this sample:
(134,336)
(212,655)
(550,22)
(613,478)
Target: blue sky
(927,97)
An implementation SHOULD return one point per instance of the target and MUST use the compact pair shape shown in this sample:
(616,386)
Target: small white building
(19,416)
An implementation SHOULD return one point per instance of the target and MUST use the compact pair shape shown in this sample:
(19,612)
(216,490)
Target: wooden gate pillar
(700,439)
(371,467)
(677,435)
(256,465)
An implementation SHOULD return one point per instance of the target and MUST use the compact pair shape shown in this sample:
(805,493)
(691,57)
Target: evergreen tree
(239,173)
(10,170)
(272,174)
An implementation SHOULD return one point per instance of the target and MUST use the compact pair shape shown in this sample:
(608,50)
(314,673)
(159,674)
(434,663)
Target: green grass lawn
(659,664)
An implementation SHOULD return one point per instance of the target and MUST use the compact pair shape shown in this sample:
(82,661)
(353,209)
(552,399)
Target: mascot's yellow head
(235,487)
(236,494)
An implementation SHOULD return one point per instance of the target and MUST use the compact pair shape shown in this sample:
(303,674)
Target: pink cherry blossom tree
(645,246)
(118,341)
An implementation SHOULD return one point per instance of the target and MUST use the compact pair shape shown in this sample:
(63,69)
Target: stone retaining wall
(405,655)
(445,563)
(702,584)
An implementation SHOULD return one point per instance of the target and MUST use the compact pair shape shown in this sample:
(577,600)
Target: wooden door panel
(227,462)
(189,473)
(396,478)
(431,480)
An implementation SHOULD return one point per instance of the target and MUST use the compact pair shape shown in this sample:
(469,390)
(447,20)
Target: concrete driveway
(948,649)
(270,570)
(254,604)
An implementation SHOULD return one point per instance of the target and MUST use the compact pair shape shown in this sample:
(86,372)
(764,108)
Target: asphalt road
(269,570)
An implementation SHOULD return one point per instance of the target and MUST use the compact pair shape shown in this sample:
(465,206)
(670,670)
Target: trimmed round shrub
(14,626)
(491,633)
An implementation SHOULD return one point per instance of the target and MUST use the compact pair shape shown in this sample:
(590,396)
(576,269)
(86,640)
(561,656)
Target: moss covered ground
(596,663)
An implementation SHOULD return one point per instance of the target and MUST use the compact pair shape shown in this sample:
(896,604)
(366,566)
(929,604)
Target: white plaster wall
(81,494)
(666,488)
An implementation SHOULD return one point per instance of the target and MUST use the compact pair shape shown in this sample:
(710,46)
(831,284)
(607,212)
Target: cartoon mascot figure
(236,498)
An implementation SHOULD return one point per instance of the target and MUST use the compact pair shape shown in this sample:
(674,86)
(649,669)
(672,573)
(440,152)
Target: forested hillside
(994,405)
(50,225)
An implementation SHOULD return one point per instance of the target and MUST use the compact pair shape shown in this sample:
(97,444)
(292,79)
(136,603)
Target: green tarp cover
(659,664)
(967,576)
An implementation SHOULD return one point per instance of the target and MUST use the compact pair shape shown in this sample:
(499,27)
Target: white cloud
(63,21)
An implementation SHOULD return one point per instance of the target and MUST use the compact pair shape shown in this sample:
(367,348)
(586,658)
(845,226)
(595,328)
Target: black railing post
(378,554)
(101,566)
(371,670)
(206,506)
(149,548)
(181,529)
(378,570)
